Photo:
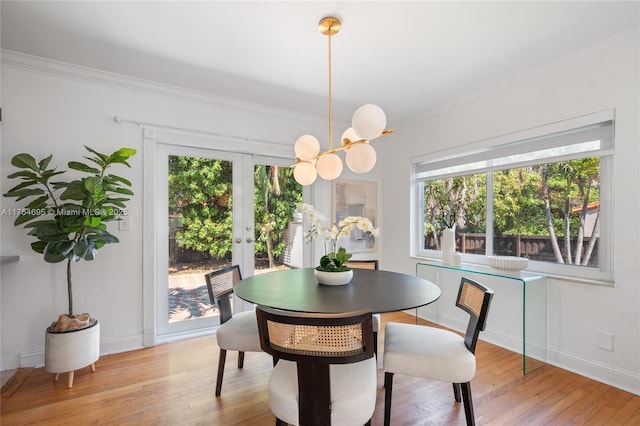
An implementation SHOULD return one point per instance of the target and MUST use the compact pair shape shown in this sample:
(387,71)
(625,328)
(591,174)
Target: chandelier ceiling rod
(330,26)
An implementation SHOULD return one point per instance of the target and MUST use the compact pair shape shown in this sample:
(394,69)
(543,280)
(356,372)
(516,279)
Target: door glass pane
(278,232)
(200,231)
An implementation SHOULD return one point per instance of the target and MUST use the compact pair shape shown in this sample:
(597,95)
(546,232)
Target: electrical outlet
(124,224)
(605,341)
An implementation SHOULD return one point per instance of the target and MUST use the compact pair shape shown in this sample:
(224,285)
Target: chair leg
(368,423)
(221,360)
(280,422)
(468,404)
(388,387)
(240,359)
(375,343)
(456,392)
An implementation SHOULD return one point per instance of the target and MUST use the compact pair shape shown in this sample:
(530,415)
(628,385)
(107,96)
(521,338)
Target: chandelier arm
(344,147)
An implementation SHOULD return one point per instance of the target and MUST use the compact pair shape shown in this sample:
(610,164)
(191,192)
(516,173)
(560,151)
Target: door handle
(249,239)
(238,240)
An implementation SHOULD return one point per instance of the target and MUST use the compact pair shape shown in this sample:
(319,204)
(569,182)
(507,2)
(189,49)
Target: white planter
(68,351)
(333,278)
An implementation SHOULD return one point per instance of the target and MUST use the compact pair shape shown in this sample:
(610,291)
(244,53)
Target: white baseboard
(608,374)
(36,358)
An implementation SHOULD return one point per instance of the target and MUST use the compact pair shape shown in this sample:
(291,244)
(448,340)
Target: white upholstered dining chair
(236,332)
(326,371)
(438,354)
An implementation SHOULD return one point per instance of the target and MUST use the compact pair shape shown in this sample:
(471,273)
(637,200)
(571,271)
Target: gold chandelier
(368,122)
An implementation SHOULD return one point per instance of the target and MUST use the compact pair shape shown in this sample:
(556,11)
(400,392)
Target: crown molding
(51,67)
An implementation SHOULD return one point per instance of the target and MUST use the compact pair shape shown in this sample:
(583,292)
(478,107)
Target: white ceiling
(408,57)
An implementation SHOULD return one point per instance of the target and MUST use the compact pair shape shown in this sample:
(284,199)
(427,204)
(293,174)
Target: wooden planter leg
(70,375)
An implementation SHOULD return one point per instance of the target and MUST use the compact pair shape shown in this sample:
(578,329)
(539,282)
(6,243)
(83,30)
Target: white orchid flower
(319,227)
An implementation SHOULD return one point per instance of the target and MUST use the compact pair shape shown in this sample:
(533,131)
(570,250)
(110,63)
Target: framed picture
(356,198)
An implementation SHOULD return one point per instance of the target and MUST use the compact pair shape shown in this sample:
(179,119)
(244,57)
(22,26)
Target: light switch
(124,223)
(605,341)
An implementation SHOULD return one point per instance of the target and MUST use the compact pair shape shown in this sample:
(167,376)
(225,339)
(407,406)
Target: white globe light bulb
(350,135)
(361,158)
(369,121)
(305,173)
(329,166)
(307,147)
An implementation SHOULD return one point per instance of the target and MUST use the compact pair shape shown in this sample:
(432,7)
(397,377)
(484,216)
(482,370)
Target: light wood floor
(173,384)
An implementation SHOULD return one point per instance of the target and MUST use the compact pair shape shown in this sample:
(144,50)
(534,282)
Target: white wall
(600,77)
(50,107)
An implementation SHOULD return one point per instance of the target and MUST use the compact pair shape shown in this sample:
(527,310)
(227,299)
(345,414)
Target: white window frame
(477,158)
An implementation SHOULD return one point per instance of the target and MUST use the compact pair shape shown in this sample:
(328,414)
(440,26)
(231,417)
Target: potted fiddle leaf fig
(68,220)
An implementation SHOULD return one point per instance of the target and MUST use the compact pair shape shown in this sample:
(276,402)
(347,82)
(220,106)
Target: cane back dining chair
(326,370)
(368,264)
(236,332)
(437,354)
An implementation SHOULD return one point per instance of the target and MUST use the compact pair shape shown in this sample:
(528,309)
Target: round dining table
(298,290)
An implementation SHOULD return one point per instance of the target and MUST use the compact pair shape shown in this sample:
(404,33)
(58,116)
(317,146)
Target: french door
(209,201)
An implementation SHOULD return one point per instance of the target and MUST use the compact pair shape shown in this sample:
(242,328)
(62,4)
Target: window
(545,197)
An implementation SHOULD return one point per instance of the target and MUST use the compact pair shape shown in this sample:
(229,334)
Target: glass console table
(518,313)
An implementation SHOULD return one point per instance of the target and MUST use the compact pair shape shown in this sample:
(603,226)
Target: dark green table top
(377,290)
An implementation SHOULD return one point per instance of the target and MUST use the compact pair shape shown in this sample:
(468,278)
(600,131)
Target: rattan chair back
(474,298)
(220,287)
(316,338)
(362,264)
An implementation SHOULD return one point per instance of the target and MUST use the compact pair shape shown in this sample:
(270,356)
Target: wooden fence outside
(537,248)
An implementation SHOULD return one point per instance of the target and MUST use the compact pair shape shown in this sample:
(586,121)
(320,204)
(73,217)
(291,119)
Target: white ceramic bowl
(333,278)
(508,263)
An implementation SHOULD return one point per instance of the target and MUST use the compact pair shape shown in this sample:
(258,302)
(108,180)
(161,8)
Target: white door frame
(154,140)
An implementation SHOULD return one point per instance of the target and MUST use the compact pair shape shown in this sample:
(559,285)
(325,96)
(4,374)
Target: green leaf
(51,253)
(38,246)
(123,191)
(65,247)
(92,221)
(20,186)
(325,261)
(75,191)
(23,193)
(42,165)
(24,174)
(50,232)
(342,255)
(102,156)
(81,247)
(107,238)
(23,218)
(24,161)
(48,174)
(121,156)
(39,205)
(75,165)
(119,179)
